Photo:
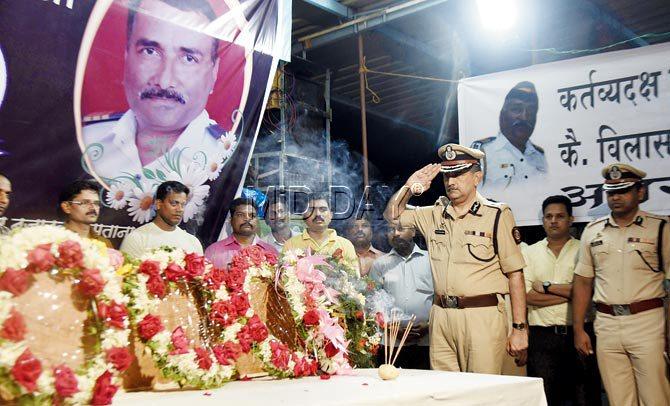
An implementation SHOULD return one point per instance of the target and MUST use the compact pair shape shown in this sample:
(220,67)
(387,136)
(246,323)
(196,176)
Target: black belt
(558,330)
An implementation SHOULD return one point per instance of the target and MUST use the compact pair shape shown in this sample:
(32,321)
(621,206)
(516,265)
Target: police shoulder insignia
(479,144)
(215,131)
(597,221)
(516,234)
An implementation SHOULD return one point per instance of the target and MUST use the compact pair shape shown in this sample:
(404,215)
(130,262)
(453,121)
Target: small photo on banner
(549,129)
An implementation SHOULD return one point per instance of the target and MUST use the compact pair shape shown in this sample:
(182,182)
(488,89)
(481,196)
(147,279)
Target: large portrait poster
(134,93)
(550,129)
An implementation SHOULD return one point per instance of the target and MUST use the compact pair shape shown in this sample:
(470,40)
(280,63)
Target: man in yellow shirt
(550,266)
(320,239)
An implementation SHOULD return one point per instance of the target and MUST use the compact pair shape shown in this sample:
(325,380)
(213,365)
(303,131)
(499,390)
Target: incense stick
(386,342)
(408,328)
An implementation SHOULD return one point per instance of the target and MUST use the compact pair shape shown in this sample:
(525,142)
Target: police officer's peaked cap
(619,176)
(456,157)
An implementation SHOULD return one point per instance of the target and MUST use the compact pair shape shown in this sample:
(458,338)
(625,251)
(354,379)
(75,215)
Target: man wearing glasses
(171,197)
(80,203)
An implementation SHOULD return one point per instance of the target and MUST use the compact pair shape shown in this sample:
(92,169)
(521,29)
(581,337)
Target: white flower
(10,352)
(230,333)
(141,202)
(112,338)
(214,165)
(45,382)
(118,194)
(229,141)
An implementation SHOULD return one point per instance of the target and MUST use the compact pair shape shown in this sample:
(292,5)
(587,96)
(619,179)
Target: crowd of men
(581,312)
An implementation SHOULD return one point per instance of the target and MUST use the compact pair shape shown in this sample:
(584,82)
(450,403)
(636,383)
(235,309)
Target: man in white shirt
(510,156)
(277,217)
(406,275)
(171,197)
(549,272)
(169,72)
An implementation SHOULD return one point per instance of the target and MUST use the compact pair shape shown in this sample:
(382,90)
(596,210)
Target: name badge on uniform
(440,232)
(596,243)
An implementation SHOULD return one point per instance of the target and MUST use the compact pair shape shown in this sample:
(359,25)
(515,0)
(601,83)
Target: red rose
(14,328)
(338,255)
(330,349)
(257,329)
(244,337)
(241,303)
(179,342)
(227,353)
(26,370)
(255,253)
(150,268)
(379,318)
(223,313)
(215,278)
(113,314)
(15,281)
(311,318)
(359,315)
(156,286)
(202,356)
(40,259)
(70,255)
(173,272)
(280,354)
(235,278)
(65,381)
(104,391)
(324,377)
(149,327)
(120,357)
(195,265)
(239,262)
(91,282)
(271,257)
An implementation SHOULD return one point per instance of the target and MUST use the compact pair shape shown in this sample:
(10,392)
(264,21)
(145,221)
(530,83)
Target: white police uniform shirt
(504,165)
(111,145)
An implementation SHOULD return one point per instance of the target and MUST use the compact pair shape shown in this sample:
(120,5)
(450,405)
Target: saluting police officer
(475,260)
(627,255)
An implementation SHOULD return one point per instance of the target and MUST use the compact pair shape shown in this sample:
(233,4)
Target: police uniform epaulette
(537,147)
(102,117)
(493,203)
(480,143)
(597,221)
(442,200)
(656,216)
(216,131)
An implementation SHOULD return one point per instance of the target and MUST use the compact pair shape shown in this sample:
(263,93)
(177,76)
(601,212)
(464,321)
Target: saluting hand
(420,180)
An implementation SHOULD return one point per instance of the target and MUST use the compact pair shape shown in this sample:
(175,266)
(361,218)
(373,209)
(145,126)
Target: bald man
(5,193)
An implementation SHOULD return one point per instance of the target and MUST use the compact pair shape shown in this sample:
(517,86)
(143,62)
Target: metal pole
(329,117)
(364,128)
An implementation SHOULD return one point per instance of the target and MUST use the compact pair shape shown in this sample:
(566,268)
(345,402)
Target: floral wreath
(146,284)
(321,339)
(92,267)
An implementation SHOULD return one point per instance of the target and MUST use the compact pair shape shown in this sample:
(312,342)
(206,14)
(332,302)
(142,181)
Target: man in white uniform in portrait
(511,159)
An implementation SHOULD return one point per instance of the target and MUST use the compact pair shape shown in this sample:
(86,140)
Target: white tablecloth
(412,387)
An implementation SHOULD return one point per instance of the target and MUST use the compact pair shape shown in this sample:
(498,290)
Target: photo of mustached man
(169,73)
(511,158)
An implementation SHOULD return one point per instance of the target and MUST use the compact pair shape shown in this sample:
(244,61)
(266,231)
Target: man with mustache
(169,73)
(80,203)
(277,217)
(244,221)
(624,267)
(510,156)
(475,259)
(550,267)
(5,194)
(359,232)
(318,238)
(163,231)
(405,274)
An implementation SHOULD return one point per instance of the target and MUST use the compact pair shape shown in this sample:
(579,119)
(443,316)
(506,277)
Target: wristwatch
(519,326)
(546,285)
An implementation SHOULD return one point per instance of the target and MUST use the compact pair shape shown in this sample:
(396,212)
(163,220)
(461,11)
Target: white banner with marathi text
(589,112)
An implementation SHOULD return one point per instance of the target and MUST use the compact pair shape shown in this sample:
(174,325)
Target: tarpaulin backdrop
(592,111)
(133,93)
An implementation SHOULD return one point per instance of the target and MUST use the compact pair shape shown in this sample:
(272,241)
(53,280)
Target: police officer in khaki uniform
(627,255)
(475,260)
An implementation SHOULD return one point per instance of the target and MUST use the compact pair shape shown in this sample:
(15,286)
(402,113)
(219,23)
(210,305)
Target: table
(412,387)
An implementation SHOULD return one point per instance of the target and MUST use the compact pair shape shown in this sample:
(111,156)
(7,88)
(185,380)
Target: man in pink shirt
(244,221)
